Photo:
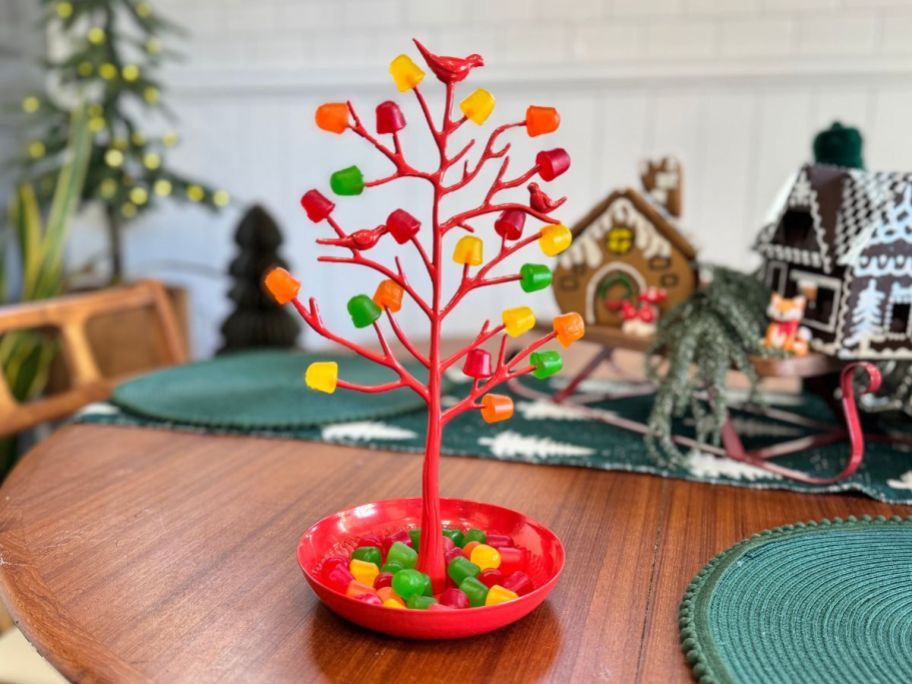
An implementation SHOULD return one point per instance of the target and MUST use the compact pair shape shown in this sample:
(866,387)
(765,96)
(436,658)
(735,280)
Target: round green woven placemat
(262,390)
(810,602)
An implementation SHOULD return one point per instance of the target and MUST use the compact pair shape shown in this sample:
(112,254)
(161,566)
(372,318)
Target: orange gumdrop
(541,120)
(389,295)
(281,285)
(496,407)
(467,549)
(332,117)
(356,588)
(569,328)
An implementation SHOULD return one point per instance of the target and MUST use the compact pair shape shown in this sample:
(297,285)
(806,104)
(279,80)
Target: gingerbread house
(843,238)
(628,255)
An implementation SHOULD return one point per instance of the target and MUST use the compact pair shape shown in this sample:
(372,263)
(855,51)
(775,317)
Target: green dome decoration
(840,146)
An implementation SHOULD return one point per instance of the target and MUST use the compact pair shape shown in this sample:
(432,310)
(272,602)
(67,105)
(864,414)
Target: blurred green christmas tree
(257,321)
(112,50)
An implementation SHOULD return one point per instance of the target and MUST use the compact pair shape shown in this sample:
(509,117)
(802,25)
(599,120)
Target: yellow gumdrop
(478,106)
(363,571)
(555,239)
(393,603)
(322,376)
(469,251)
(485,557)
(498,594)
(518,321)
(405,73)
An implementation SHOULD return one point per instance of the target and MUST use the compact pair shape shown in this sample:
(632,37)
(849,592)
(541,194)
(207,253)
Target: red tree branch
(504,371)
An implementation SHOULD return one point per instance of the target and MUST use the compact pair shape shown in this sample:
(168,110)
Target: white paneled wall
(735,88)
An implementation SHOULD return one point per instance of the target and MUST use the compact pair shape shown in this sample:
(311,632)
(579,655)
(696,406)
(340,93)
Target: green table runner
(261,390)
(817,602)
(239,395)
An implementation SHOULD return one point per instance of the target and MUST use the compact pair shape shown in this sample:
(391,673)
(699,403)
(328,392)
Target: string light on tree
(505,217)
(115,50)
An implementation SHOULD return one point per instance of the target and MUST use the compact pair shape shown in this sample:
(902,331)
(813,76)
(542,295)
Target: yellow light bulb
(151,94)
(96,35)
(195,193)
(96,124)
(152,161)
(170,139)
(31,104)
(114,158)
(108,188)
(84,69)
(139,195)
(143,9)
(162,187)
(221,198)
(130,72)
(107,71)
(128,210)
(64,10)
(36,149)
(153,46)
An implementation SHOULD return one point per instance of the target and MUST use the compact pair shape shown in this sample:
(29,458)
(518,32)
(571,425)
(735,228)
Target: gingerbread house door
(611,284)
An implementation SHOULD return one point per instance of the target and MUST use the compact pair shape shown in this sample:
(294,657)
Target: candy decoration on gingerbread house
(629,262)
(842,239)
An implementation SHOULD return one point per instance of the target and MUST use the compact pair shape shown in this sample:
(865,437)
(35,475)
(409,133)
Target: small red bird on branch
(360,239)
(449,69)
(539,201)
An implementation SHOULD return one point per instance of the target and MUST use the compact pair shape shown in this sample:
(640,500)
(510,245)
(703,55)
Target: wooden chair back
(69,315)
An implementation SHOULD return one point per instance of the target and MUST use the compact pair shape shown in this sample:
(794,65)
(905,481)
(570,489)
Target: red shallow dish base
(338,533)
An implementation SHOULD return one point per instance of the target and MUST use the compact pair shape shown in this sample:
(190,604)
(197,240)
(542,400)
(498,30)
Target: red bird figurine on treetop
(539,201)
(449,69)
(360,239)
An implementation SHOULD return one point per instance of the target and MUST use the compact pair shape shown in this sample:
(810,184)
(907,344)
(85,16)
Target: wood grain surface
(140,555)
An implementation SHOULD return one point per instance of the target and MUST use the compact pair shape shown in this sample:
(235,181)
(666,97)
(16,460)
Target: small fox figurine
(784,331)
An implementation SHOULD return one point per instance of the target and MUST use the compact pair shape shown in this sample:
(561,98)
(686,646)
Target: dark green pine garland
(717,328)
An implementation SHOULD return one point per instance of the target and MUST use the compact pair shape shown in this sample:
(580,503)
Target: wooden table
(133,554)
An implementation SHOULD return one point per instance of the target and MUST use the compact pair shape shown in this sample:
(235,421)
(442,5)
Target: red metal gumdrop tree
(553,238)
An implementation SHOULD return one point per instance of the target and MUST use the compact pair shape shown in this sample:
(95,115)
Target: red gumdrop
(490,577)
(455,552)
(552,163)
(439,606)
(390,118)
(384,579)
(448,543)
(371,599)
(316,205)
(509,225)
(402,226)
(400,536)
(498,540)
(518,582)
(332,562)
(454,598)
(511,559)
(339,578)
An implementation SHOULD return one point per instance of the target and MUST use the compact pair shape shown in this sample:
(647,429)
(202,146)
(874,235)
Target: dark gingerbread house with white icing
(629,261)
(843,238)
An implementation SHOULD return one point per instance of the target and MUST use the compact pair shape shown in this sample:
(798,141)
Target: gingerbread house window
(659,263)
(619,240)
(798,228)
(899,318)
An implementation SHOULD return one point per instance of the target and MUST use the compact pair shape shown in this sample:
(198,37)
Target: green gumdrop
(371,554)
(420,602)
(475,590)
(392,568)
(534,277)
(415,536)
(409,582)
(474,534)
(455,535)
(402,554)
(348,181)
(363,310)
(547,363)
(460,568)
